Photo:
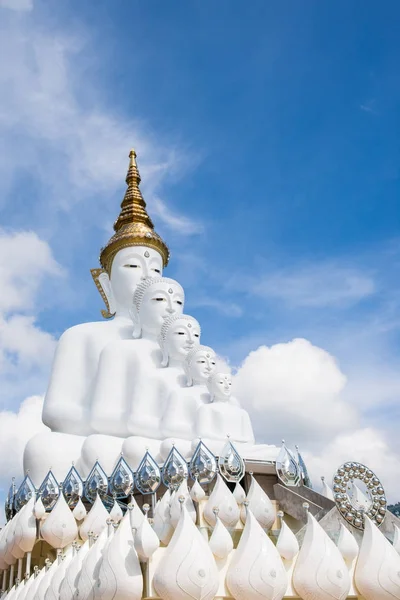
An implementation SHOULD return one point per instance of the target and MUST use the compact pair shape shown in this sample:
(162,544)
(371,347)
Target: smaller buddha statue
(179,417)
(222,417)
(179,335)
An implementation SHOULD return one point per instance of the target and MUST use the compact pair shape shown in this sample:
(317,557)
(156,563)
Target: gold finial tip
(132,152)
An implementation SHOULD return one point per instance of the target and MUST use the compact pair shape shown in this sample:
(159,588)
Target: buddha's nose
(170,311)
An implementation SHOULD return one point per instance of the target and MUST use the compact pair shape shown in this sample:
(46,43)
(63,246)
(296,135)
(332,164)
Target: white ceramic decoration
(326,490)
(39,509)
(33,590)
(135,514)
(187,570)
(347,545)
(12,547)
(87,579)
(25,532)
(146,540)
(259,504)
(161,520)
(239,494)
(119,574)
(72,572)
(46,581)
(95,521)
(196,492)
(60,528)
(396,539)
(287,544)
(221,498)
(256,571)
(377,572)
(320,572)
(176,504)
(116,513)
(53,592)
(220,542)
(79,511)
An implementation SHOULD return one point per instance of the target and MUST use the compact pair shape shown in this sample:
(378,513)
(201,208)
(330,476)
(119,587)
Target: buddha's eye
(179,302)
(230,383)
(157,271)
(196,335)
(180,332)
(201,362)
(160,299)
(213,363)
(132,266)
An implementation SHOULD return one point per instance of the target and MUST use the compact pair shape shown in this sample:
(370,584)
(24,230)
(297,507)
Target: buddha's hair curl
(170,320)
(192,353)
(147,283)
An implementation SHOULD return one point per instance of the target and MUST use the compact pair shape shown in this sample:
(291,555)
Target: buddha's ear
(137,328)
(165,358)
(189,378)
(103,284)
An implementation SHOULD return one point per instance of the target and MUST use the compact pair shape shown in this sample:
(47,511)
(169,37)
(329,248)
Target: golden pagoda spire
(133,226)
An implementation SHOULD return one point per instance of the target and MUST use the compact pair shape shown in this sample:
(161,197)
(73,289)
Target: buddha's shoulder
(88,331)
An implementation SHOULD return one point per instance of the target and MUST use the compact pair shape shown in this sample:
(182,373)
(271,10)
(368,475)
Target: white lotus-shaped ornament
(320,572)
(188,570)
(260,505)
(12,546)
(256,571)
(175,504)
(377,572)
(79,511)
(88,576)
(119,573)
(25,532)
(53,592)
(239,494)
(347,545)
(60,528)
(287,544)
(39,509)
(46,581)
(95,521)
(135,514)
(197,493)
(68,585)
(146,540)
(116,513)
(222,499)
(161,520)
(220,542)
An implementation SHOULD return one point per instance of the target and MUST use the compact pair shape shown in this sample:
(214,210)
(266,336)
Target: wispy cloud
(179,223)
(17,4)
(226,308)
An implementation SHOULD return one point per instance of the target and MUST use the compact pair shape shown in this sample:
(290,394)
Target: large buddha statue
(134,253)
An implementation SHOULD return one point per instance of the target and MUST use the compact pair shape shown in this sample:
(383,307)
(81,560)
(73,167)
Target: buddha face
(202,365)
(181,337)
(130,266)
(220,386)
(160,301)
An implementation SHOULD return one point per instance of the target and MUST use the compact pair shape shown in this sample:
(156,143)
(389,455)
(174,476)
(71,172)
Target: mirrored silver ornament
(9,503)
(49,491)
(303,470)
(203,465)
(148,475)
(121,480)
(175,469)
(96,483)
(359,492)
(230,463)
(72,487)
(287,468)
(25,492)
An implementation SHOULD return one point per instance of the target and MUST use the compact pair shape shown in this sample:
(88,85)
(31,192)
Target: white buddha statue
(134,253)
(222,417)
(179,335)
(179,416)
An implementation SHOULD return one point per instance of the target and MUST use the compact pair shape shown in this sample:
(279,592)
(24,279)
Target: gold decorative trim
(96,274)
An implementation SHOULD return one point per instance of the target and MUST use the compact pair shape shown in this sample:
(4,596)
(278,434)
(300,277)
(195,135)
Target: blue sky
(268,140)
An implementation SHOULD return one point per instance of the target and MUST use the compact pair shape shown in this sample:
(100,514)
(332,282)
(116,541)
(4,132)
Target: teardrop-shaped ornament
(39,510)
(24,493)
(203,465)
(287,467)
(96,483)
(79,511)
(72,487)
(175,469)
(197,493)
(303,470)
(49,491)
(239,494)
(9,503)
(230,463)
(148,475)
(121,480)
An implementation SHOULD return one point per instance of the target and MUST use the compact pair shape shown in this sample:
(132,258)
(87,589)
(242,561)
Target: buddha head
(134,253)
(179,335)
(155,301)
(220,387)
(199,363)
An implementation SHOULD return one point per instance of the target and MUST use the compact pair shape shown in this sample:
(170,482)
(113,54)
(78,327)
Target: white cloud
(15,430)
(293,390)
(318,285)
(76,148)
(17,4)
(368,446)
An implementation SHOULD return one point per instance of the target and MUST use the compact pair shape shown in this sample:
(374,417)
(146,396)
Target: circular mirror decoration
(358,492)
